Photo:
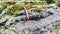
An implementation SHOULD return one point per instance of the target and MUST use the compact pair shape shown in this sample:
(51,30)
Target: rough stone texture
(47,19)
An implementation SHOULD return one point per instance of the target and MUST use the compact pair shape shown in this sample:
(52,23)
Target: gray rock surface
(39,23)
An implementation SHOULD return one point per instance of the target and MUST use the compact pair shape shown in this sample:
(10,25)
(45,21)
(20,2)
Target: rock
(21,14)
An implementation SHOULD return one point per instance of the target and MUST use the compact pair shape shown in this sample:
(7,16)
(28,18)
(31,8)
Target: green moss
(38,10)
(58,4)
(51,30)
(28,6)
(4,5)
(1,9)
(41,1)
(50,7)
(10,29)
(8,3)
(14,23)
(36,3)
(54,1)
(50,1)
(57,26)
(14,10)
(0,32)
(18,7)
(26,2)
